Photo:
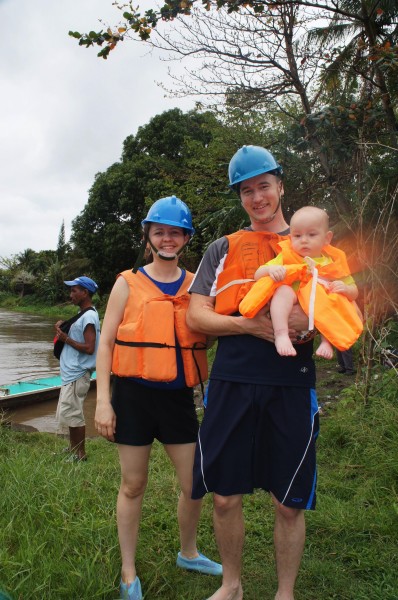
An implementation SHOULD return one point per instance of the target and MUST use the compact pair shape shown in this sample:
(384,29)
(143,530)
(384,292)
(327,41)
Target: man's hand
(260,325)
(61,336)
(298,320)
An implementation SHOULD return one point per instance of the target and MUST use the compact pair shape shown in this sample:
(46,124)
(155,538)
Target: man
(77,362)
(261,420)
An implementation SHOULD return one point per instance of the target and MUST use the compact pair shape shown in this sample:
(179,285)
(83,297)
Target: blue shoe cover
(132,591)
(201,564)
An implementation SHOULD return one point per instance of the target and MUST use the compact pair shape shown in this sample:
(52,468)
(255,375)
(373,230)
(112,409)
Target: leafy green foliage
(330,77)
(164,158)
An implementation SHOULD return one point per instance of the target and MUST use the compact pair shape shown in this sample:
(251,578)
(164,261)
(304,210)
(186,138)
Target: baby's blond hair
(311,212)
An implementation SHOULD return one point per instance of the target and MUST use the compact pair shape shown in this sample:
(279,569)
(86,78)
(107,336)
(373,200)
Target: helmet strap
(272,217)
(163,256)
(143,246)
(140,256)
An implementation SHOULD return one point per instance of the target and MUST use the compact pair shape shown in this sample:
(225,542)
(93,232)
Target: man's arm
(298,321)
(202,317)
(89,339)
(86,347)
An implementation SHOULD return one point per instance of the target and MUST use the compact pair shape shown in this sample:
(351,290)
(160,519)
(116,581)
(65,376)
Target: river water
(26,352)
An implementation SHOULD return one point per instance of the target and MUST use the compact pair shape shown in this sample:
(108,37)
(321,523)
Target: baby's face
(308,237)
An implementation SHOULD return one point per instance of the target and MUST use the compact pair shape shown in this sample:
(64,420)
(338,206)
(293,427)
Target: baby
(309,237)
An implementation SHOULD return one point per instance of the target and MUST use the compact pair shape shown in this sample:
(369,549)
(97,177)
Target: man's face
(260,197)
(77,294)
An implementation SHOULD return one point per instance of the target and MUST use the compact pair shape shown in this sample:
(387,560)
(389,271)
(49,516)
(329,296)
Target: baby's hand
(338,287)
(277,272)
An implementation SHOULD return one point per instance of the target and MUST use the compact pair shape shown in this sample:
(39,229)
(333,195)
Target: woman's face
(167,239)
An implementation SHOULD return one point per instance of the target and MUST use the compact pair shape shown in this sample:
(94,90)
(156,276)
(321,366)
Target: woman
(156,360)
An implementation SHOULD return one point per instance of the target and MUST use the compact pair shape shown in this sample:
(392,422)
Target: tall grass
(58,534)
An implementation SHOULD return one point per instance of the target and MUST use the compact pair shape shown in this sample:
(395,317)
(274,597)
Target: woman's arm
(105,419)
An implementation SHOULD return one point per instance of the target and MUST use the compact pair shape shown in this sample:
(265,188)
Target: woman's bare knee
(133,489)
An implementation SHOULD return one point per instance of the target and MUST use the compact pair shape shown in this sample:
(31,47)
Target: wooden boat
(22,393)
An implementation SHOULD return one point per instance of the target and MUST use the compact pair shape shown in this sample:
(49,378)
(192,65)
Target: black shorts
(144,413)
(258,436)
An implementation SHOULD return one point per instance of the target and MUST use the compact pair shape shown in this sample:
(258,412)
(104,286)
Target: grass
(58,532)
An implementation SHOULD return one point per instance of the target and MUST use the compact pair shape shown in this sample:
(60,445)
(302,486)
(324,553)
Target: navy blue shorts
(258,436)
(145,413)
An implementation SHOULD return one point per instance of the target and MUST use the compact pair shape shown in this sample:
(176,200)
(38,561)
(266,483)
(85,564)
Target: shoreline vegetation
(58,536)
(28,304)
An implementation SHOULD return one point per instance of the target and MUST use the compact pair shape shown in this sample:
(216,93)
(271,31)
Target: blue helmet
(250,161)
(170,211)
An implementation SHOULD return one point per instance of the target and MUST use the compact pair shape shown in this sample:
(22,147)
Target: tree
(51,285)
(26,260)
(265,55)
(158,161)
(23,282)
(62,246)
(265,60)
(367,30)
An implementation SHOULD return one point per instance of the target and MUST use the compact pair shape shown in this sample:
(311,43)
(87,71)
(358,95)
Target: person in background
(156,360)
(345,361)
(77,362)
(261,420)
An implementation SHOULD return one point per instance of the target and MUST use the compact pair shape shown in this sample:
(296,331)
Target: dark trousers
(345,360)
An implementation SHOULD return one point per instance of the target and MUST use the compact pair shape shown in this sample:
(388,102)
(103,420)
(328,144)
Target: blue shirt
(75,364)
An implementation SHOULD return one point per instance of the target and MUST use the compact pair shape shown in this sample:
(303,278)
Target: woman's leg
(282,303)
(188,512)
(134,471)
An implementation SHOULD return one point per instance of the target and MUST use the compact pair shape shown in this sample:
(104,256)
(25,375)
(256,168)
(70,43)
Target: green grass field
(58,535)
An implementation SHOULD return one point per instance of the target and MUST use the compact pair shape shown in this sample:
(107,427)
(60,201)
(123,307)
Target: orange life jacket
(335,316)
(145,344)
(247,251)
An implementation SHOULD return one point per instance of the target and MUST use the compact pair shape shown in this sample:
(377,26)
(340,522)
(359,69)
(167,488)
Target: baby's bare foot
(325,350)
(283,345)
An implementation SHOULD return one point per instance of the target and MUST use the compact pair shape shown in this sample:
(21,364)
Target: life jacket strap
(234,282)
(196,346)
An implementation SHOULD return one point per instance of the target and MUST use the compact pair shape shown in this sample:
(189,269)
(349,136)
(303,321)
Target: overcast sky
(64,113)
